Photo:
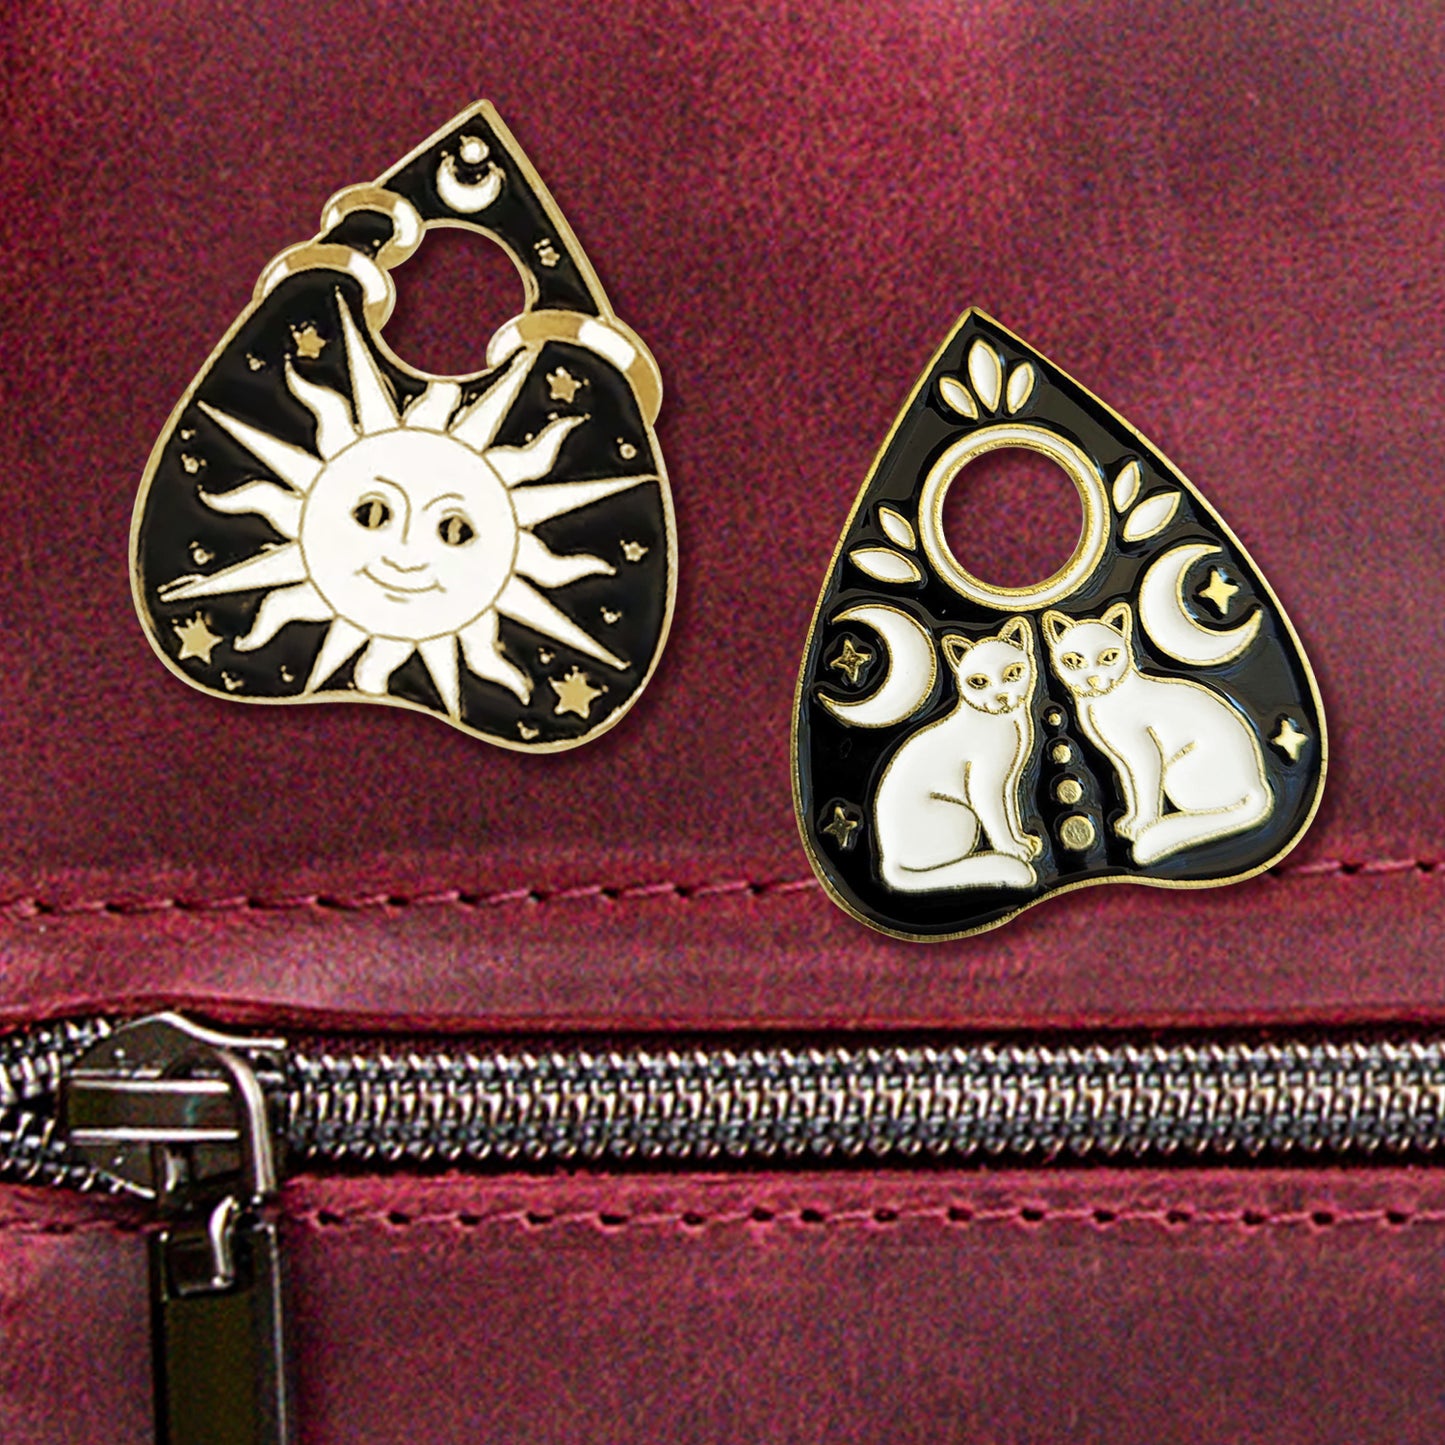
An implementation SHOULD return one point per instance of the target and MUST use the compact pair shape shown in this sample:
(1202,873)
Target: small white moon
(912,667)
(1166,618)
(468,199)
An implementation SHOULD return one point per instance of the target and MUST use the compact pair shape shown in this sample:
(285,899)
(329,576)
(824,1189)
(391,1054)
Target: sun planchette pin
(1144,715)
(320,521)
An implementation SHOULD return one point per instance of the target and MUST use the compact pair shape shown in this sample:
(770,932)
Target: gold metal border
(1093,535)
(1059,890)
(293,259)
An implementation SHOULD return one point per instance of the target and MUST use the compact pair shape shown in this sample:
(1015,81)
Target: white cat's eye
(978,681)
(1012,674)
(1109,656)
(1072,660)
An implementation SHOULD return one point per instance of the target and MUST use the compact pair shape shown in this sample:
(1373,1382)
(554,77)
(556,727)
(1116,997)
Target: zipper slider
(169,1111)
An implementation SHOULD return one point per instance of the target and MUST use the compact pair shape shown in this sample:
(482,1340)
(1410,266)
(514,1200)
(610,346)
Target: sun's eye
(978,681)
(371,514)
(1109,656)
(1072,660)
(1013,673)
(455,530)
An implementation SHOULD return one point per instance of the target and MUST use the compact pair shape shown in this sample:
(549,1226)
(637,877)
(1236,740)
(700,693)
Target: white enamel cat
(955,782)
(1171,740)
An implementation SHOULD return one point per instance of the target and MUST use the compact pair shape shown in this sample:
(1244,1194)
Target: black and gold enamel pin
(963,750)
(320,521)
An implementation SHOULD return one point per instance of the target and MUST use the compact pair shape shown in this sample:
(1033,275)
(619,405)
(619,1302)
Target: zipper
(204,1124)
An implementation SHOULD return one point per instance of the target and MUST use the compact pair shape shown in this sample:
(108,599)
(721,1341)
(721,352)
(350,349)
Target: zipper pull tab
(173,1112)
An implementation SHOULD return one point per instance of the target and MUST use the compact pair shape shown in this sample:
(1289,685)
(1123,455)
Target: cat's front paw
(1128,826)
(1025,848)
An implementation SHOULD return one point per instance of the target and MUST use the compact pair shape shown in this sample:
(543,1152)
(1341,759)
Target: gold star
(1220,591)
(197,639)
(309,341)
(851,661)
(575,693)
(634,551)
(527,733)
(562,385)
(841,828)
(190,464)
(611,615)
(1289,739)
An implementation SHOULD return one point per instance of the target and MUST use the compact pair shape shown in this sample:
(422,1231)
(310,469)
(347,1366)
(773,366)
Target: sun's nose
(1096,683)
(401,566)
(1002,699)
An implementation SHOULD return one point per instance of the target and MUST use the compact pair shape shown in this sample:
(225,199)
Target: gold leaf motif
(1152,515)
(985,371)
(898,528)
(1126,487)
(1020,385)
(955,393)
(885,565)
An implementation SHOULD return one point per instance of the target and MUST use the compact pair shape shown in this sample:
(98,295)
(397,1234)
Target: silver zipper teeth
(32,1149)
(775,1103)
(718,1105)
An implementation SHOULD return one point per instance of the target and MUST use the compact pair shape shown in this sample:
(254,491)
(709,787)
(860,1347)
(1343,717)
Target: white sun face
(408,535)
(408,531)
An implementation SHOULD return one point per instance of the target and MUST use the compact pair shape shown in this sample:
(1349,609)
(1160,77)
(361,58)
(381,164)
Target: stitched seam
(719,889)
(1099,1219)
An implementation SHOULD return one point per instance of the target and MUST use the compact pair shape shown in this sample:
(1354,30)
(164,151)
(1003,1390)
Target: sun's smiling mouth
(395,589)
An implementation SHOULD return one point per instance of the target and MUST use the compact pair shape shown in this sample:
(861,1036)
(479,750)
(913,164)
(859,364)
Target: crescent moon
(462,197)
(1167,620)
(912,668)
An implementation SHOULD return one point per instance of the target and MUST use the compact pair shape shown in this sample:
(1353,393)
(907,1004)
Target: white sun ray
(550,499)
(535,458)
(301,603)
(342,640)
(431,410)
(482,650)
(537,561)
(265,499)
(334,429)
(382,658)
(440,656)
(371,395)
(278,567)
(410,533)
(289,463)
(478,425)
(522,602)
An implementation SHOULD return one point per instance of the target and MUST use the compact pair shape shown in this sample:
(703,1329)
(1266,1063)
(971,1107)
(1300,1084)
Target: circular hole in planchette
(1012,517)
(451,297)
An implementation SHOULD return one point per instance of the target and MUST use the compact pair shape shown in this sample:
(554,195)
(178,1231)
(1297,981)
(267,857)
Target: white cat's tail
(1176,831)
(978,870)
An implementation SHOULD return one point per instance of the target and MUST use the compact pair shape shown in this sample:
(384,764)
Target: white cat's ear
(1018,631)
(1055,624)
(1121,619)
(956,648)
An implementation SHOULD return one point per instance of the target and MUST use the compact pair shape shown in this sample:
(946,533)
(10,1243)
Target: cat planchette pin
(320,521)
(1144,715)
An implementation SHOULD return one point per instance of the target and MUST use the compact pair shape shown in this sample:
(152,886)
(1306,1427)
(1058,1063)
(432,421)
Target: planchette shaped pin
(320,521)
(1144,715)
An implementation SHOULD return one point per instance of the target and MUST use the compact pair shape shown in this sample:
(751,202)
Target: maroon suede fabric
(1225,221)
(1081,1307)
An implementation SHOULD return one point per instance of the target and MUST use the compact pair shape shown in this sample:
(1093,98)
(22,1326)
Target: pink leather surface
(1226,221)
(1085,1307)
